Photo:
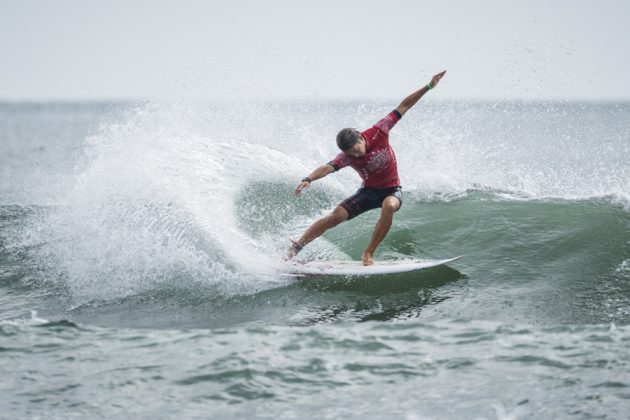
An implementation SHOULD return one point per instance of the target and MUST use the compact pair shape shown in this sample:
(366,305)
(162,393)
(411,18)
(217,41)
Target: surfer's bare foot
(367,258)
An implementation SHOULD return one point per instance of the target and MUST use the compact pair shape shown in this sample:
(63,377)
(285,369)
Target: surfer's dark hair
(346,138)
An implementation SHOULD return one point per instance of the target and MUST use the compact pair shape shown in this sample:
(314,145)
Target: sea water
(141,269)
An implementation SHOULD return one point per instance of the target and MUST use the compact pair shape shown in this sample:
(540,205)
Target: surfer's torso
(378,167)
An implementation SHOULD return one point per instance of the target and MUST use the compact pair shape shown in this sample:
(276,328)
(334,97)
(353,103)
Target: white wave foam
(32,321)
(564,151)
(624,267)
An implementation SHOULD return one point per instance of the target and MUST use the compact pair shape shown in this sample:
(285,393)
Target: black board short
(369,198)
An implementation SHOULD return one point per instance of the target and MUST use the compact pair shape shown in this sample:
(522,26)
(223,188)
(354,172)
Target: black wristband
(334,165)
(307,179)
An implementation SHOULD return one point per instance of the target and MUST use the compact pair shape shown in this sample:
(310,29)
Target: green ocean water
(141,263)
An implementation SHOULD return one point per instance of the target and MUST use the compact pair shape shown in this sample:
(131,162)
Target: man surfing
(370,154)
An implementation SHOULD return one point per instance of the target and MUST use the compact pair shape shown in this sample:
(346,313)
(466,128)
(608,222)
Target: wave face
(141,255)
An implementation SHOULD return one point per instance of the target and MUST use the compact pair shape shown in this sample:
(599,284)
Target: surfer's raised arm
(411,100)
(318,173)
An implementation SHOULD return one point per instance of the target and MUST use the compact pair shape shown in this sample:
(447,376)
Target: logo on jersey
(378,160)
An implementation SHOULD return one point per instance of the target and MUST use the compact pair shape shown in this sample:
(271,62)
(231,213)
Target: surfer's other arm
(411,100)
(318,173)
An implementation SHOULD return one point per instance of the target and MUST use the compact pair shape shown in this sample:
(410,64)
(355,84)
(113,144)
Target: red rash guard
(377,167)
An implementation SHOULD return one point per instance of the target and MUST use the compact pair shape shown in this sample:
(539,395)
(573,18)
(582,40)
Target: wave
(199,194)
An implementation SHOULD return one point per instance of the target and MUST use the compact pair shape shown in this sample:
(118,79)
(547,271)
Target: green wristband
(429,86)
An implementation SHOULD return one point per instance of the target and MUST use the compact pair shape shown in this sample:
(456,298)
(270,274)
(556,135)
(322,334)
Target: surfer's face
(358,149)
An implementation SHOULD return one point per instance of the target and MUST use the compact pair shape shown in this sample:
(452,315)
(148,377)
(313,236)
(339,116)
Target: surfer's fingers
(299,188)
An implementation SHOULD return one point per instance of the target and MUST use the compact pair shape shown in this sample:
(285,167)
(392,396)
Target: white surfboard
(356,268)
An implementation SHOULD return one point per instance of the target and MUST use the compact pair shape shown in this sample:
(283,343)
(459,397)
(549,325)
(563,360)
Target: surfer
(370,154)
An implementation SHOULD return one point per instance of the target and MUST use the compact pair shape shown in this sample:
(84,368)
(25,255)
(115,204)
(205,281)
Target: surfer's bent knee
(390,206)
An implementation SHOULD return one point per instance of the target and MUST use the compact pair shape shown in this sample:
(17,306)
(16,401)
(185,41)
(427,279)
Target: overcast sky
(84,49)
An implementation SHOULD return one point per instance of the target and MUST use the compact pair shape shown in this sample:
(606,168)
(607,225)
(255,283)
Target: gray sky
(84,49)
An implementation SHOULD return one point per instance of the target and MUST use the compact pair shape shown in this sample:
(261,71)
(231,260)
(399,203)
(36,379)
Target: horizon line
(106,100)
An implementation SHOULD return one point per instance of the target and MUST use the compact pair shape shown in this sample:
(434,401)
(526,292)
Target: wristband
(307,179)
(430,86)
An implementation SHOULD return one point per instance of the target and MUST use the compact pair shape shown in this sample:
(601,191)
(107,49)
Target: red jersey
(377,168)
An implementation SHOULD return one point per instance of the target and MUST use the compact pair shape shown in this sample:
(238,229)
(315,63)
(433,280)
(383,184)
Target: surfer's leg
(318,228)
(388,208)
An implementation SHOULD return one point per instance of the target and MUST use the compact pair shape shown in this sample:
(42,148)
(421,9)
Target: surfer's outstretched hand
(436,79)
(300,187)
